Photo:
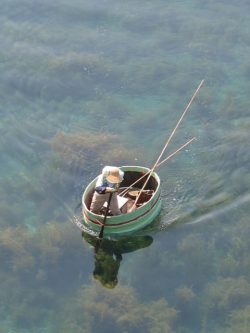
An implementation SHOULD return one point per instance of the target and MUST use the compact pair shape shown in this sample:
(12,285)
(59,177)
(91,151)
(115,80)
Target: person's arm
(105,189)
(101,187)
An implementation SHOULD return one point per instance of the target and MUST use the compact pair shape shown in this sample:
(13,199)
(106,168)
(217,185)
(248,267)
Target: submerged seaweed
(84,84)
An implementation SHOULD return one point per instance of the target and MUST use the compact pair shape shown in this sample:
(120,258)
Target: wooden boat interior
(131,192)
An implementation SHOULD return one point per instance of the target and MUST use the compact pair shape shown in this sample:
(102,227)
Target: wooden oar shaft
(169,139)
(105,217)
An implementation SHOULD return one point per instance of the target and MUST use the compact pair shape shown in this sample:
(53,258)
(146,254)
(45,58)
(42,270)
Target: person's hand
(110,190)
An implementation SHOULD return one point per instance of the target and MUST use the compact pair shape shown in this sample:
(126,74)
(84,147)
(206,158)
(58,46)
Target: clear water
(89,83)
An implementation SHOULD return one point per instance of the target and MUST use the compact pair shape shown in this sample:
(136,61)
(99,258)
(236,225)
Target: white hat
(113,174)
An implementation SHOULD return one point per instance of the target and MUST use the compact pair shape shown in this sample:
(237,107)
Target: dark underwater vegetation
(89,83)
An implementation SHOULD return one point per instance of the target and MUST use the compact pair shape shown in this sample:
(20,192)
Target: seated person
(107,182)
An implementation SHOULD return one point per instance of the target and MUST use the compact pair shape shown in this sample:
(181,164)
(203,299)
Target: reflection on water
(108,255)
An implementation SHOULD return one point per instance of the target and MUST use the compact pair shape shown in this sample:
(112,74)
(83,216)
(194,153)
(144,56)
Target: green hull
(128,222)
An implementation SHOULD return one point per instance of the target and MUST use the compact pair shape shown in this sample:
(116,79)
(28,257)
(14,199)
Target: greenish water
(84,84)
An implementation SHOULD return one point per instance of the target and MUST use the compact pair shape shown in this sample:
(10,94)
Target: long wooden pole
(168,140)
(159,164)
(175,152)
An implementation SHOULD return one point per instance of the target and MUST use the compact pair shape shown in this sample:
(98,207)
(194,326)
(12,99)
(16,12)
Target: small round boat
(137,212)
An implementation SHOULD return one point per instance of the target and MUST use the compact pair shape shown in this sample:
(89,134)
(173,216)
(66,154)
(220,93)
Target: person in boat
(107,182)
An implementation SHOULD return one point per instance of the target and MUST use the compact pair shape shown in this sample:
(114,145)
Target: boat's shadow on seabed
(108,255)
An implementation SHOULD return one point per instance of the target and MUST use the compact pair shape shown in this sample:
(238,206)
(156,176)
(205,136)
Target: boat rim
(139,209)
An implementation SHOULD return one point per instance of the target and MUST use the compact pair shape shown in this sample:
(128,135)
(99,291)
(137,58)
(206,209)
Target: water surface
(84,84)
